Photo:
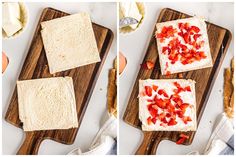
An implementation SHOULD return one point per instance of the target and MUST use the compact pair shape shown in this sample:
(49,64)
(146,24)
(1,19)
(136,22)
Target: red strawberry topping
(148,65)
(154,87)
(181,140)
(148,90)
(163,92)
(178,51)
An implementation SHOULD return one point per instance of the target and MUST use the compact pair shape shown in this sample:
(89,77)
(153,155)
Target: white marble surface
(134,46)
(16,49)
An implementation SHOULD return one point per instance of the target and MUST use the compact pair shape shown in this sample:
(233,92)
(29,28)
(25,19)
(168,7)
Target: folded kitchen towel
(105,142)
(221,141)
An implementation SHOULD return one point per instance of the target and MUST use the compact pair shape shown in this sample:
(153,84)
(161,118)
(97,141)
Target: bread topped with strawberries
(183,45)
(167,105)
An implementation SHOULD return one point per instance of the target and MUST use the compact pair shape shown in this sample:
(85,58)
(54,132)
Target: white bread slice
(47,104)
(69,42)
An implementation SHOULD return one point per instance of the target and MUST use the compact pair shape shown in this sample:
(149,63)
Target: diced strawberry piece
(162,116)
(162,40)
(202,54)
(159,35)
(154,87)
(187,89)
(184,47)
(155,107)
(180,25)
(172,122)
(163,124)
(181,140)
(164,120)
(177,85)
(186,26)
(195,29)
(196,36)
(197,57)
(163,92)
(164,49)
(148,90)
(184,106)
(185,62)
(150,64)
(153,112)
(180,113)
(154,120)
(149,100)
(168,115)
(186,37)
(186,119)
(184,136)
(168,73)
(149,120)
(160,103)
(171,108)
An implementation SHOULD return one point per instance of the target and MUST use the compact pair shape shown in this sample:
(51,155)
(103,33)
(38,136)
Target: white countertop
(134,46)
(16,49)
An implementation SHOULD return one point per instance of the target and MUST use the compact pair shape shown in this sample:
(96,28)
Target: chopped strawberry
(180,113)
(164,120)
(168,73)
(148,65)
(148,90)
(154,87)
(187,89)
(184,135)
(170,108)
(180,25)
(172,122)
(202,54)
(186,37)
(155,107)
(154,120)
(184,106)
(153,112)
(177,85)
(163,92)
(160,103)
(162,116)
(149,120)
(181,140)
(196,36)
(186,119)
(194,29)
(149,100)
(164,49)
(166,32)
(168,115)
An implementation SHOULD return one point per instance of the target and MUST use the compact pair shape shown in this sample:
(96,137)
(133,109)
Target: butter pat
(11,18)
(130,9)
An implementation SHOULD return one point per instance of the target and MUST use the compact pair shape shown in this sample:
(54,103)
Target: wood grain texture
(84,80)
(219,39)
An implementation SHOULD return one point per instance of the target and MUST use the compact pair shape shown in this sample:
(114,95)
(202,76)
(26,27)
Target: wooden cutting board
(84,80)
(219,39)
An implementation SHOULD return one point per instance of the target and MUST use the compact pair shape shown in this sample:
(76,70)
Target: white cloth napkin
(105,141)
(221,141)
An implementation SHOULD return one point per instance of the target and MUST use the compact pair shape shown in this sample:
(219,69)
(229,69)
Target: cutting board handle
(149,144)
(31,144)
